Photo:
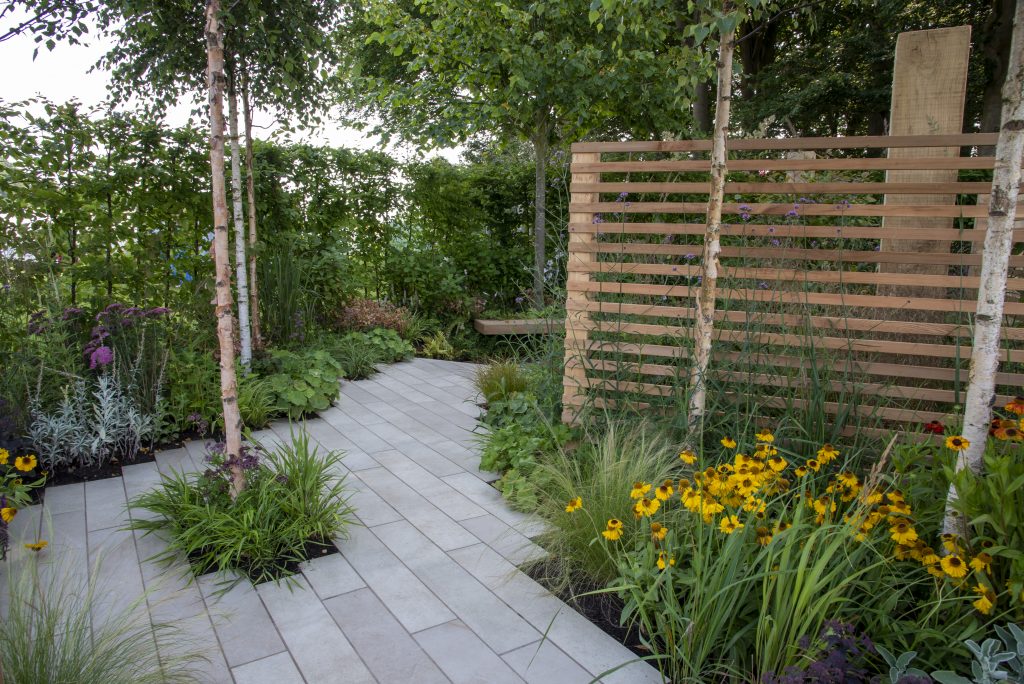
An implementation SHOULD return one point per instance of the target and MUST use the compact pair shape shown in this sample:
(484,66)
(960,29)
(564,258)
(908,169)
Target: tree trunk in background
(540,155)
(222,262)
(702,107)
(995,40)
(250,191)
(244,332)
(705,317)
(988,319)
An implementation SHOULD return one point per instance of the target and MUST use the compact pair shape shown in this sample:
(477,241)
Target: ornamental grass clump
(294,504)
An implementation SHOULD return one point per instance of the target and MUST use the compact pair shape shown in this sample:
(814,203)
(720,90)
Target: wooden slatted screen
(809,296)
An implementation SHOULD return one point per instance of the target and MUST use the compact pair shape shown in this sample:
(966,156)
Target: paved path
(425,590)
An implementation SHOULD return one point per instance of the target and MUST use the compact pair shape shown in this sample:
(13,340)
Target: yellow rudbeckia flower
(574,505)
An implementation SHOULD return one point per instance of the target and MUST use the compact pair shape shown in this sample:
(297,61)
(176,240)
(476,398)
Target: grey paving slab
(463,657)
(426,588)
(65,498)
(543,662)
(514,546)
(105,504)
(368,625)
(315,641)
(275,669)
(489,618)
(408,599)
(241,621)
(331,575)
(428,518)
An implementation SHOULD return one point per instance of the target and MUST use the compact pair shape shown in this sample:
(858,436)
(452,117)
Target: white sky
(65,74)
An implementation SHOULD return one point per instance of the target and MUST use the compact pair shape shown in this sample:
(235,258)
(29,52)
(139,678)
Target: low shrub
(357,355)
(438,346)
(294,500)
(20,473)
(304,382)
(497,381)
(363,315)
(49,634)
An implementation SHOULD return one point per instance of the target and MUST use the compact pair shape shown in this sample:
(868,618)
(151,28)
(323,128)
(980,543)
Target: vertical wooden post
(928,88)
(577,335)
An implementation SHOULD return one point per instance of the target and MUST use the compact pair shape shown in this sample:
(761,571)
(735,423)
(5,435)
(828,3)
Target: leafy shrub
(363,315)
(997,659)
(304,382)
(293,498)
(284,307)
(422,282)
(437,346)
(48,633)
(357,355)
(387,344)
(496,381)
(419,327)
(95,421)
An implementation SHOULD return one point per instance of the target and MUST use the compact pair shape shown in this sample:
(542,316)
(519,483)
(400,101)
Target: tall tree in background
(988,319)
(438,71)
(241,263)
(225,323)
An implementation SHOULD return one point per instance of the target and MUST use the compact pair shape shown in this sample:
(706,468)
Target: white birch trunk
(241,276)
(705,316)
(250,191)
(988,319)
(221,246)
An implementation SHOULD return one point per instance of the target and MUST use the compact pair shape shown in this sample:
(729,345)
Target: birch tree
(988,319)
(222,265)
(241,275)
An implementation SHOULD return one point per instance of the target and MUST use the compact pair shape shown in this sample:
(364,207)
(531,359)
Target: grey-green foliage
(94,421)
(49,634)
(997,659)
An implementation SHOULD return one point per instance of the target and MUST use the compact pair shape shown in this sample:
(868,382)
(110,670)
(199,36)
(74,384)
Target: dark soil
(601,609)
(280,568)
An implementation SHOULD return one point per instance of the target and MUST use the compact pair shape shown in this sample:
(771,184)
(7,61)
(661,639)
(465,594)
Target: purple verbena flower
(101,356)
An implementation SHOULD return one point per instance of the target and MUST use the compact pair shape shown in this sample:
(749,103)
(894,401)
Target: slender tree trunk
(110,227)
(222,262)
(250,191)
(988,319)
(705,318)
(244,331)
(540,155)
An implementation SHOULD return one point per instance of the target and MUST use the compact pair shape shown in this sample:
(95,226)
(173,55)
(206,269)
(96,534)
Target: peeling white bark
(1002,210)
(244,331)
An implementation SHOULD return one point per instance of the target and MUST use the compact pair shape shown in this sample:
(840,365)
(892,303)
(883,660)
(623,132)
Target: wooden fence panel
(806,287)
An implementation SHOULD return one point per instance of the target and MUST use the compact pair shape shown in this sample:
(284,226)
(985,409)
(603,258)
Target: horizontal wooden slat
(842,143)
(782,231)
(773,276)
(809,189)
(779,381)
(778,209)
(839,323)
(858,164)
(785,252)
(852,344)
(726,293)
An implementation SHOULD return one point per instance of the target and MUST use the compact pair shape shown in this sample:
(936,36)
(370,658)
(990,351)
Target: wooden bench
(520,326)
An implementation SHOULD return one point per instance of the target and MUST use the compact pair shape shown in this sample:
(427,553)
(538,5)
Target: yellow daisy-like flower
(903,532)
(664,560)
(658,531)
(4,456)
(954,566)
(645,507)
(814,464)
(764,536)
(982,562)
(663,492)
(765,436)
(37,546)
(687,457)
(957,443)
(25,463)
(929,557)
(899,508)
(848,479)
(801,471)
(777,463)
(951,542)
(613,531)
(986,601)
(691,498)
(574,505)
(729,524)
(639,490)
(874,498)
(729,442)
(7,514)
(827,453)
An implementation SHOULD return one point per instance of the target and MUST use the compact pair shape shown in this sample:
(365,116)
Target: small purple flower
(763,285)
(775,242)
(675,268)
(690,257)
(771,229)
(669,239)
(792,213)
(71,312)
(745,212)
(157,311)
(598,219)
(622,196)
(878,248)
(101,356)
(519,299)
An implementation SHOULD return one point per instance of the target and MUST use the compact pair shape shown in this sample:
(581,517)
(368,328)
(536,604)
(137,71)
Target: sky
(65,73)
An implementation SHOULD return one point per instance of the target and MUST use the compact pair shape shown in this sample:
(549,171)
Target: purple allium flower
(101,356)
